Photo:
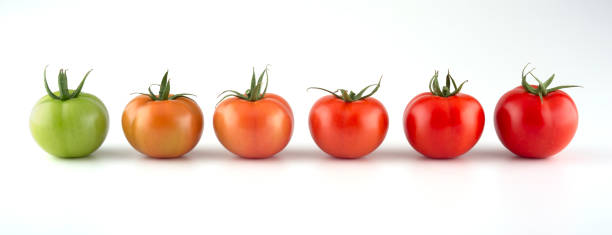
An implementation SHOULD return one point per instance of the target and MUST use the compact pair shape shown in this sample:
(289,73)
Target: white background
(210,46)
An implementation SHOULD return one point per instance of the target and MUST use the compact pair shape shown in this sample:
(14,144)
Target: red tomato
(348,129)
(532,127)
(349,125)
(253,124)
(441,124)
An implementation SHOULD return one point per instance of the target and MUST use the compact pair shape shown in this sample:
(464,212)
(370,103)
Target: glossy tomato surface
(534,128)
(162,128)
(348,129)
(254,129)
(443,127)
(69,128)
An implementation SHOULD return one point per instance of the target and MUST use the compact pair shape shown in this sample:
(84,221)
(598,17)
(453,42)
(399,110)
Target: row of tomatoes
(532,121)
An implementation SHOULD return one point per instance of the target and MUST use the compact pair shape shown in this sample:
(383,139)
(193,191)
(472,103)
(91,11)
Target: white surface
(211,46)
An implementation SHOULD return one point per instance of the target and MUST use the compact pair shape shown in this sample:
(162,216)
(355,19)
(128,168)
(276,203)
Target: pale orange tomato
(254,129)
(253,124)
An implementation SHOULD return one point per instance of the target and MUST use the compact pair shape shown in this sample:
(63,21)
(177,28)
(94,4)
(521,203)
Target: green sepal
(62,81)
(151,94)
(360,94)
(184,95)
(345,96)
(265,88)
(549,81)
(328,91)
(164,87)
(164,91)
(445,91)
(457,89)
(373,90)
(542,89)
(254,92)
(350,96)
(49,92)
(561,87)
(77,92)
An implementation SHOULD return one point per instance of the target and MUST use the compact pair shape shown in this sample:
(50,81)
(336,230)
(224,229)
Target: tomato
(348,125)
(69,123)
(253,124)
(536,121)
(163,125)
(441,123)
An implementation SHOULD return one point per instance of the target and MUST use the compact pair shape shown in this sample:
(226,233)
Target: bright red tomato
(443,124)
(534,127)
(348,125)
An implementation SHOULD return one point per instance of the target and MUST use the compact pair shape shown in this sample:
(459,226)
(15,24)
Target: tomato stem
(164,91)
(542,89)
(62,80)
(350,96)
(252,94)
(434,86)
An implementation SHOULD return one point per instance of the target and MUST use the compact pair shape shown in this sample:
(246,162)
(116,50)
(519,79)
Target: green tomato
(68,125)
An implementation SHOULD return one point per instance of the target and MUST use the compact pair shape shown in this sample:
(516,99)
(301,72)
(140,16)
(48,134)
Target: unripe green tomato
(69,128)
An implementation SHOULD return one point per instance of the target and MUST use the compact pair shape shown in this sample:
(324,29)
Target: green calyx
(254,93)
(164,91)
(350,96)
(542,89)
(434,86)
(64,93)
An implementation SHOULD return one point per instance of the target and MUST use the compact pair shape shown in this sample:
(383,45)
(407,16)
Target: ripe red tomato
(535,121)
(443,124)
(348,125)
(253,124)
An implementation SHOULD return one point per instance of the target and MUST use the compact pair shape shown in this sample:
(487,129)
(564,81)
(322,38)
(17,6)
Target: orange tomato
(348,129)
(254,129)
(165,127)
(347,124)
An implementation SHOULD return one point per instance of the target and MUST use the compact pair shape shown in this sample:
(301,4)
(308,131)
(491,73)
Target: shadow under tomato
(105,153)
(407,154)
(207,154)
(302,154)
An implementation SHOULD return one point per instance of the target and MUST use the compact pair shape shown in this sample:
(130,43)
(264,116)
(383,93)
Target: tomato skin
(443,127)
(254,129)
(534,128)
(164,128)
(70,128)
(348,129)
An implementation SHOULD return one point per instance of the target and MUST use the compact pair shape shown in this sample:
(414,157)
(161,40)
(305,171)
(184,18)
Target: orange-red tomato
(254,129)
(348,129)
(162,128)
